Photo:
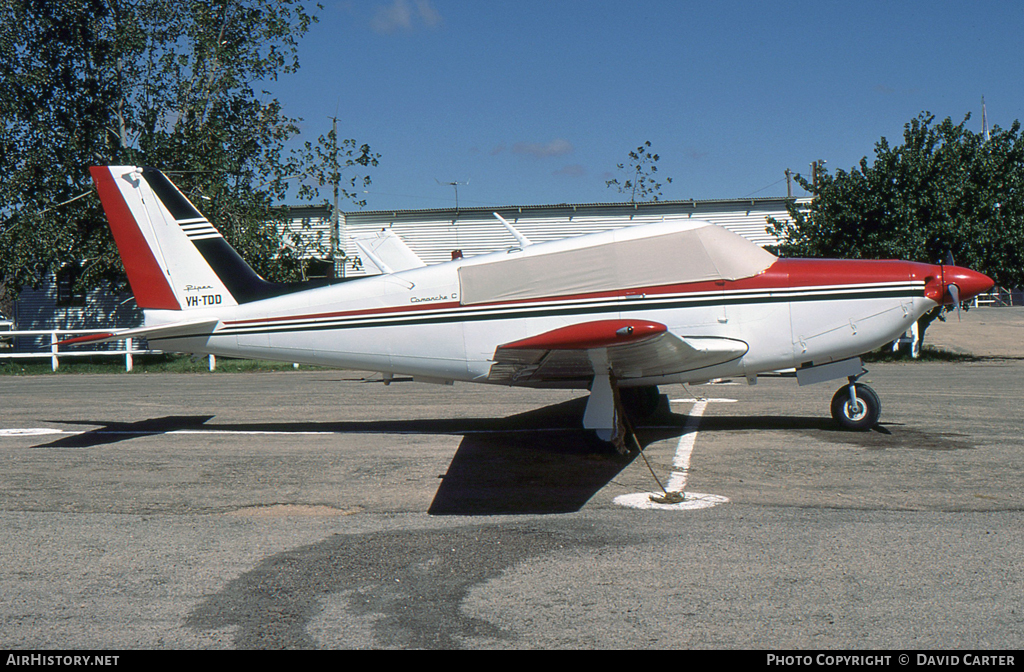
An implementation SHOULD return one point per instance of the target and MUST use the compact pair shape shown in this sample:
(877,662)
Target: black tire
(640,403)
(867,411)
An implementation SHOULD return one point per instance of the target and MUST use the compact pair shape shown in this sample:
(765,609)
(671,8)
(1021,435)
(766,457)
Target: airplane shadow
(548,464)
(538,462)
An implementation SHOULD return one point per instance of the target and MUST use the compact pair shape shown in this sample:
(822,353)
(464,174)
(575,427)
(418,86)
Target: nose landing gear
(856,406)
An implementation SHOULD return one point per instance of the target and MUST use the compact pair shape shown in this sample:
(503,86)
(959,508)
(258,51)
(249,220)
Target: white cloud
(572,170)
(428,14)
(405,15)
(557,147)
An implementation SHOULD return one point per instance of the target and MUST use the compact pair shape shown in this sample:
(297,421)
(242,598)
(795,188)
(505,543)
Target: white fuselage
(666,302)
(412,322)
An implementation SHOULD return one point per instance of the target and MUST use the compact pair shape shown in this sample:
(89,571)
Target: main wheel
(860,415)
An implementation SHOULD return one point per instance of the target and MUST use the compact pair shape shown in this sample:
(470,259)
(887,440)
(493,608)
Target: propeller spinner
(960,284)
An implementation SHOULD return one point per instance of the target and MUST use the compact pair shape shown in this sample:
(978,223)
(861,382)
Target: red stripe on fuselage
(347,313)
(783,274)
(830,272)
(148,281)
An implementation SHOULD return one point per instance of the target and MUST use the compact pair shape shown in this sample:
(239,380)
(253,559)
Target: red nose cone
(971,283)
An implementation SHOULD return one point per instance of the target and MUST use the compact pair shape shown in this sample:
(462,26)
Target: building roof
(433,234)
(770,202)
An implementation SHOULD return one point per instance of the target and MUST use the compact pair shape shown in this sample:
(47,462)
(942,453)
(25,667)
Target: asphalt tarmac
(316,509)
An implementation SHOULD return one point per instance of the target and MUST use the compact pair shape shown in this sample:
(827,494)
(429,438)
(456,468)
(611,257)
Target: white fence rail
(999,297)
(125,348)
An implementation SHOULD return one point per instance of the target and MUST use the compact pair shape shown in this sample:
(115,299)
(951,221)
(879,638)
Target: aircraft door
(762,319)
(430,344)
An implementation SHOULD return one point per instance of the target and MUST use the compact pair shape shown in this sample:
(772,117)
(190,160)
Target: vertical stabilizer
(174,257)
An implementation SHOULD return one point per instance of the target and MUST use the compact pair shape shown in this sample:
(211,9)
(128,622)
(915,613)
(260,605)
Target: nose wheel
(856,407)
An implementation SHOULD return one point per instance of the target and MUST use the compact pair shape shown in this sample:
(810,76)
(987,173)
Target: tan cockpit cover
(704,253)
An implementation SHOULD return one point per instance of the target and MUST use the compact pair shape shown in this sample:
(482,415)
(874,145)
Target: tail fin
(174,257)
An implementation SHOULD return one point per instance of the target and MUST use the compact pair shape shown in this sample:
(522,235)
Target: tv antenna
(456,186)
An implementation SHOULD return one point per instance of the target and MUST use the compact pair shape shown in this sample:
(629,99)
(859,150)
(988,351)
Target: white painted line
(712,400)
(677,479)
(30,431)
(40,431)
(254,432)
(693,501)
(681,468)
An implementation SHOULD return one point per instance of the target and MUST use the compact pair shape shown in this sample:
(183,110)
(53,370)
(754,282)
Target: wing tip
(89,338)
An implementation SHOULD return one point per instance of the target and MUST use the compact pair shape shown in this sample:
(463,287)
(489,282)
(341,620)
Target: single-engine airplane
(618,312)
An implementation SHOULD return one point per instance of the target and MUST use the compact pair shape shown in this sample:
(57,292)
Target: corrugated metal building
(434,234)
(54,306)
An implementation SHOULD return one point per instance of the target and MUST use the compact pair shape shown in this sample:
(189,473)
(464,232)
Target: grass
(167,363)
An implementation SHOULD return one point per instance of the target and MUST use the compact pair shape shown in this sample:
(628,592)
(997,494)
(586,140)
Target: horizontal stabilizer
(173,330)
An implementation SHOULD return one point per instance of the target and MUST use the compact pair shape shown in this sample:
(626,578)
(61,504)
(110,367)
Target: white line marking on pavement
(681,468)
(40,431)
(30,431)
(694,401)
(677,479)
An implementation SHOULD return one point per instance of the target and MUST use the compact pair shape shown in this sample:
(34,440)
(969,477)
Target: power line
(763,188)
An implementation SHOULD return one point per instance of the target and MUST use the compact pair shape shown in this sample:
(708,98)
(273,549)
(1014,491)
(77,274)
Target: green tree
(639,176)
(175,84)
(945,191)
(337,166)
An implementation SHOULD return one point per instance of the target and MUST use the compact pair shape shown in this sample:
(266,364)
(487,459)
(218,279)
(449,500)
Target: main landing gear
(611,411)
(856,406)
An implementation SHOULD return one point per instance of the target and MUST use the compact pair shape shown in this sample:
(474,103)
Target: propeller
(952,288)
(954,291)
(954,284)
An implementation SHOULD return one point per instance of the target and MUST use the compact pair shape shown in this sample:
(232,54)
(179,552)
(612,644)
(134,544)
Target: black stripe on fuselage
(521,311)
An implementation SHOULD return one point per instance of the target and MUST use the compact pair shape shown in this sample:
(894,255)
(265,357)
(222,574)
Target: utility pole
(335,178)
(984,119)
(815,167)
(789,183)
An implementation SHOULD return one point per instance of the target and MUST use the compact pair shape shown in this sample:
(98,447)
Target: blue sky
(534,102)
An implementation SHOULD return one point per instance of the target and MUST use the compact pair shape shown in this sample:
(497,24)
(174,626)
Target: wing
(173,330)
(632,348)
